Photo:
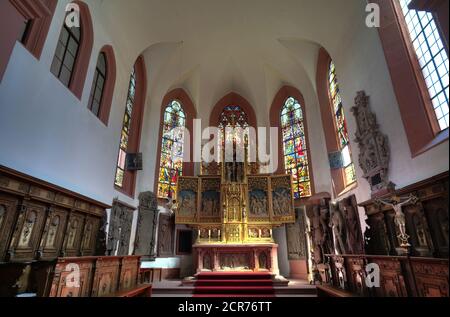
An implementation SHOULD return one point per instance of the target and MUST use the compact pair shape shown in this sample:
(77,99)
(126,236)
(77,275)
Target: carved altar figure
(2,213)
(337,224)
(262,259)
(324,221)
(399,218)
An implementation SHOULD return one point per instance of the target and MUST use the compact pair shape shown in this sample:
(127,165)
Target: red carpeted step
(234,295)
(224,282)
(233,289)
(233,284)
(234,276)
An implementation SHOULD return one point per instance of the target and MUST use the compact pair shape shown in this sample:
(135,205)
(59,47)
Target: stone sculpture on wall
(166,233)
(146,225)
(338,225)
(373,146)
(296,237)
(121,219)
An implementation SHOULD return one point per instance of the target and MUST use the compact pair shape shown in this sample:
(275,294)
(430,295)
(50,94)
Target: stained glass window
(341,127)
(125,134)
(294,146)
(432,57)
(171,163)
(233,117)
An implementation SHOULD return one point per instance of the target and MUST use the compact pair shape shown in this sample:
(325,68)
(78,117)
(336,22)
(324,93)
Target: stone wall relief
(121,219)
(145,241)
(374,152)
(166,232)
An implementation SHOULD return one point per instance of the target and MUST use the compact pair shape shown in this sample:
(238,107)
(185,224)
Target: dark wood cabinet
(8,211)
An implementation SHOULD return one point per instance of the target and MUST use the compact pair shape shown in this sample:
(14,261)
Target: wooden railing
(399,276)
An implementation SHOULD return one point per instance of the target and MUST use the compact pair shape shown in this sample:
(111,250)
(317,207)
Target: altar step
(177,288)
(224,284)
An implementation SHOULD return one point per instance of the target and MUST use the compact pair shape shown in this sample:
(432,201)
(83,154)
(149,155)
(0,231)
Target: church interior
(194,148)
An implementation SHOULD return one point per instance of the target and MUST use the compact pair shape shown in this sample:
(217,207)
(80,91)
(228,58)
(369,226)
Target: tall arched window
(432,58)
(73,51)
(341,126)
(172,149)
(98,85)
(233,117)
(126,131)
(294,147)
(103,84)
(66,54)
(125,179)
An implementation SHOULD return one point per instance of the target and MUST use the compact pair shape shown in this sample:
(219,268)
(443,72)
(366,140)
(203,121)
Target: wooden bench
(330,291)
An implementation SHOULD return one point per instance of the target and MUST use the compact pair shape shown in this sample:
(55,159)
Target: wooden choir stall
(48,233)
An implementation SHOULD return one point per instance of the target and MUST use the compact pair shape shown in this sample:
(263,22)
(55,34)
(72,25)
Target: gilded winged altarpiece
(234,212)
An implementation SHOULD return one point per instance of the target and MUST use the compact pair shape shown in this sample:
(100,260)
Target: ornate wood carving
(8,208)
(431,277)
(106,276)
(39,220)
(426,220)
(373,146)
(146,225)
(166,231)
(392,282)
(53,236)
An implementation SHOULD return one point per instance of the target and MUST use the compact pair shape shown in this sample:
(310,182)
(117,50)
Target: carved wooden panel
(53,236)
(431,277)
(27,233)
(91,227)
(64,285)
(106,276)
(392,282)
(8,209)
(74,234)
(129,273)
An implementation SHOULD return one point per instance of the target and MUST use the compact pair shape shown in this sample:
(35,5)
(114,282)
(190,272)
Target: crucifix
(396,203)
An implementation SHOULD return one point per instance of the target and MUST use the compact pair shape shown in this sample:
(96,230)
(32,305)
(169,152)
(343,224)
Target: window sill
(349,188)
(438,139)
(123,191)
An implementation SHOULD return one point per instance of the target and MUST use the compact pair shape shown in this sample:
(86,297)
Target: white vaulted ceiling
(212,47)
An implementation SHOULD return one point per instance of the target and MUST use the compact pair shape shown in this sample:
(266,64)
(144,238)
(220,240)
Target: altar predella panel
(270,199)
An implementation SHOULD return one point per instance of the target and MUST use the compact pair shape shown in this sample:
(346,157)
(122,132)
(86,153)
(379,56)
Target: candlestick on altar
(209,233)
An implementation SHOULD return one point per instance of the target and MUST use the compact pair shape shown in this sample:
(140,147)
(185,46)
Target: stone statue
(337,224)
(317,235)
(352,228)
(399,218)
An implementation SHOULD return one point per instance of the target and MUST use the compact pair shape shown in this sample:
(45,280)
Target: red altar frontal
(256,257)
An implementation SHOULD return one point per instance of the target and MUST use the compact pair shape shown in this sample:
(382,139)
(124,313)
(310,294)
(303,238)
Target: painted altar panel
(282,199)
(210,211)
(187,199)
(258,196)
